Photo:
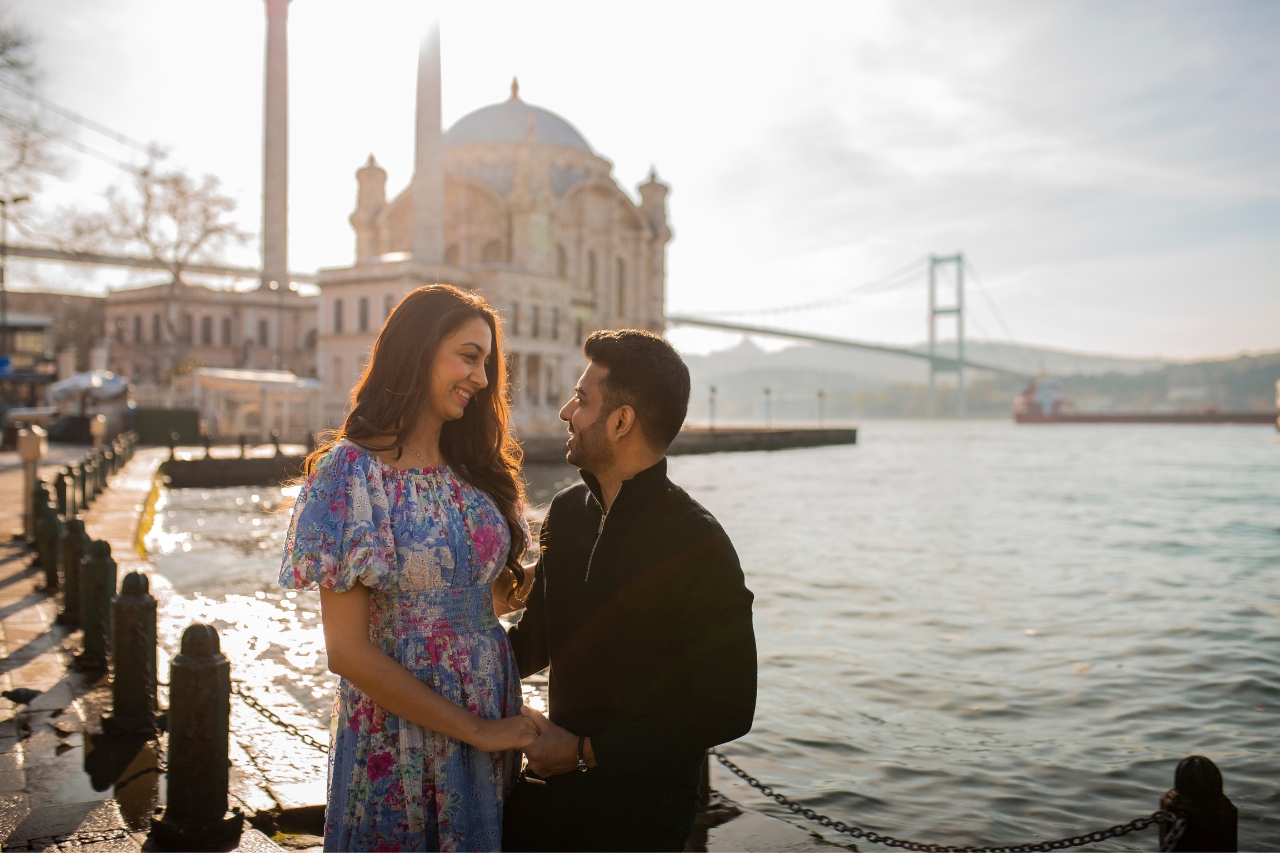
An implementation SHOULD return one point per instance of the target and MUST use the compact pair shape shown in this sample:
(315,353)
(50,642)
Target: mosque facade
(510,202)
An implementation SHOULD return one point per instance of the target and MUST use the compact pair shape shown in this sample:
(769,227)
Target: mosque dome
(509,122)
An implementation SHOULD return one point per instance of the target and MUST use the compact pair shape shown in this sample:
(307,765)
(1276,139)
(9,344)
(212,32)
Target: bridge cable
(882,284)
(982,290)
(84,121)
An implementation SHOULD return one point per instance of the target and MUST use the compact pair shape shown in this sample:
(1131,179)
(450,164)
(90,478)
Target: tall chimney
(428,162)
(275,150)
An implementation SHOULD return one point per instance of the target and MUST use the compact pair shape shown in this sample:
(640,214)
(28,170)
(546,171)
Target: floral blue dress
(428,546)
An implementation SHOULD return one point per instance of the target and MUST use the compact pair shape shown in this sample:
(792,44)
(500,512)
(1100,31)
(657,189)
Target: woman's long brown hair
(393,393)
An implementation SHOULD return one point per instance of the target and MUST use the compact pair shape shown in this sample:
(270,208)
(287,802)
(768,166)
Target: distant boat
(1042,402)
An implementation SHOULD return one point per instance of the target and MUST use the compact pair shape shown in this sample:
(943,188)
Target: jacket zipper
(604,516)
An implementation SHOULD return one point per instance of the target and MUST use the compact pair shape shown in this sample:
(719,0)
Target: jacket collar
(638,492)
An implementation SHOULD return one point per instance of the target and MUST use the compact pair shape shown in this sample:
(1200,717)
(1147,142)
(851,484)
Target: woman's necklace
(419,455)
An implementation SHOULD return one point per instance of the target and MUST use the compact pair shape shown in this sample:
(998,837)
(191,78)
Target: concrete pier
(692,440)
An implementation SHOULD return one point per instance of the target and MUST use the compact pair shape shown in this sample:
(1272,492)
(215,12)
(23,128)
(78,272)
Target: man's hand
(556,750)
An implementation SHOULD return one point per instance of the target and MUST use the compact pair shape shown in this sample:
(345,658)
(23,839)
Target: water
(970,633)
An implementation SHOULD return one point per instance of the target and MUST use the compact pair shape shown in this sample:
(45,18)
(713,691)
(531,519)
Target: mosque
(513,203)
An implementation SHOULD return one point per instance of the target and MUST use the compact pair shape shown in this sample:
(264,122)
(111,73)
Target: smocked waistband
(461,610)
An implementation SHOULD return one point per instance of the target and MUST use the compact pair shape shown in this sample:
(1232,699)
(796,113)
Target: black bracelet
(582,762)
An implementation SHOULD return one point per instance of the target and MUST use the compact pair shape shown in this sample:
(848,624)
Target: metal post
(31,447)
(931,400)
(97,586)
(52,542)
(77,474)
(133,645)
(822,399)
(40,521)
(712,404)
(242,441)
(199,747)
(1197,797)
(60,494)
(960,398)
(74,542)
(768,409)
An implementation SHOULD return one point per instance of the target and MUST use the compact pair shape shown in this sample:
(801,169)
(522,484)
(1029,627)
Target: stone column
(275,149)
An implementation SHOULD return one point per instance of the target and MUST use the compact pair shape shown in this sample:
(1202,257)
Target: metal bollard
(39,497)
(69,488)
(133,654)
(108,465)
(242,442)
(60,492)
(99,474)
(199,738)
(1197,796)
(52,542)
(97,586)
(74,542)
(82,482)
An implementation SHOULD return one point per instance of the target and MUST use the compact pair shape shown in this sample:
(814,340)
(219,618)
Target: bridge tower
(946,365)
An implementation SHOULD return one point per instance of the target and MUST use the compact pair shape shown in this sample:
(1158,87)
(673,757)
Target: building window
(591,272)
(535,321)
(337,374)
(337,316)
(452,255)
(492,252)
(186,328)
(621,280)
(137,328)
(388,305)
(515,319)
(533,369)
(362,314)
(577,333)
(206,331)
(555,323)
(226,331)
(553,393)
(263,331)
(562,261)
(155,329)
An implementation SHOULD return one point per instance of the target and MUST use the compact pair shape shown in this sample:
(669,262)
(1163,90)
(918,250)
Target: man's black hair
(646,373)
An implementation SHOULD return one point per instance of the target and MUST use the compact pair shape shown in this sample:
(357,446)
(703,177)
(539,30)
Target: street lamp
(4,253)
(822,398)
(768,409)
(712,403)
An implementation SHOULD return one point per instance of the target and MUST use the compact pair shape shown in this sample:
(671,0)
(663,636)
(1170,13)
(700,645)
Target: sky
(1110,171)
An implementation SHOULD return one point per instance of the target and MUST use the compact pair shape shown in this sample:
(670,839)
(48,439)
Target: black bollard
(208,442)
(242,440)
(173,444)
(133,655)
(275,441)
(86,483)
(199,756)
(39,498)
(99,474)
(60,493)
(108,465)
(74,542)
(1197,796)
(52,543)
(97,586)
(69,488)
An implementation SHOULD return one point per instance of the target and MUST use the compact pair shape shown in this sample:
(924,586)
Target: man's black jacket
(644,616)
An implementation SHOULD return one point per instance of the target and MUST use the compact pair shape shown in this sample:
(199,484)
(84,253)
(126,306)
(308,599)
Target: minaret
(275,150)
(427,240)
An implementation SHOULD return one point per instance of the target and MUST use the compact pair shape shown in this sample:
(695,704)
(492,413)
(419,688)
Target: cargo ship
(1042,402)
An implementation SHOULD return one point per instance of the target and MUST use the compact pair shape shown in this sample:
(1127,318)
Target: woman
(410,523)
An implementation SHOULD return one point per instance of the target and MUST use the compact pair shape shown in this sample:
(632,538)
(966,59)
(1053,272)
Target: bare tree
(25,155)
(168,217)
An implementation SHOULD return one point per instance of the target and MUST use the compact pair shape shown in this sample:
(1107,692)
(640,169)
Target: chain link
(1161,817)
(237,688)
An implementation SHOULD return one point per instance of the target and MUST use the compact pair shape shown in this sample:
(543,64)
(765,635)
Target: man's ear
(622,422)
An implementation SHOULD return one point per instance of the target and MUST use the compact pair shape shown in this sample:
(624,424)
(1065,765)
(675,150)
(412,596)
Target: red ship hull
(1151,418)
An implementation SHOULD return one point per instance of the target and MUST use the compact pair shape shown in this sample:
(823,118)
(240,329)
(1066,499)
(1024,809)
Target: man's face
(588,445)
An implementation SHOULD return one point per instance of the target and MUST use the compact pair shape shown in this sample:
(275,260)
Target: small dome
(509,122)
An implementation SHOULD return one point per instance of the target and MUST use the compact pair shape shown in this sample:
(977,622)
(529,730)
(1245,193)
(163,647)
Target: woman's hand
(504,734)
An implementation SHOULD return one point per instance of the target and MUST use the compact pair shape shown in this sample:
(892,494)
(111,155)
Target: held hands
(556,750)
(506,597)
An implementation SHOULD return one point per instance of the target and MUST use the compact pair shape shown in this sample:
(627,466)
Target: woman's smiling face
(458,369)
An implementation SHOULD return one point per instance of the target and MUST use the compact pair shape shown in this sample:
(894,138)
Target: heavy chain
(238,689)
(1177,823)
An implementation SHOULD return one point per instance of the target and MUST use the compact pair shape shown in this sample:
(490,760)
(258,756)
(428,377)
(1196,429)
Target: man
(640,608)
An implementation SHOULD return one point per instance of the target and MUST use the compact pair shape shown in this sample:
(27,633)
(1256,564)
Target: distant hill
(860,384)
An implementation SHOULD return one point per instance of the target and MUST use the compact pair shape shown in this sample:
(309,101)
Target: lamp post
(712,403)
(4,253)
(822,399)
(768,409)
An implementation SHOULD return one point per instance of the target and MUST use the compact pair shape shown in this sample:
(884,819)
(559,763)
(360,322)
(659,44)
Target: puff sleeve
(340,532)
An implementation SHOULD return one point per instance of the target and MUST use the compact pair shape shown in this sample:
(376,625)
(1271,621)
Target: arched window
(555,323)
(155,329)
(621,280)
(264,333)
(186,326)
(362,314)
(492,252)
(591,272)
(206,331)
(226,331)
(453,255)
(577,333)
(562,261)
(337,316)
(137,330)
(535,321)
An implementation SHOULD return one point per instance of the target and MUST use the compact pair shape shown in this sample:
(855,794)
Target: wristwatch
(582,762)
